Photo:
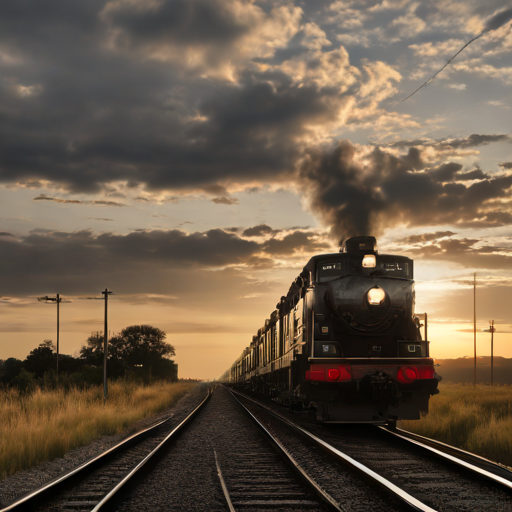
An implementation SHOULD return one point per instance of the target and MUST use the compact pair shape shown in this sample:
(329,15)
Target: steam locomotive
(345,343)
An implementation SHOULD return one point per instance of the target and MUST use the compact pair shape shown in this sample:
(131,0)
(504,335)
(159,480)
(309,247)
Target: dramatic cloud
(260,230)
(357,193)
(467,252)
(294,241)
(467,142)
(426,237)
(80,261)
(227,91)
(99,202)
(225,200)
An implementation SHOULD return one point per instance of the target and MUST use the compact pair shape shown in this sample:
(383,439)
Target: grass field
(475,419)
(47,424)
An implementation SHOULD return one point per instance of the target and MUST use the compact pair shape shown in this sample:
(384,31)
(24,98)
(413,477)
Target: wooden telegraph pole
(493,330)
(57,300)
(474,327)
(106,293)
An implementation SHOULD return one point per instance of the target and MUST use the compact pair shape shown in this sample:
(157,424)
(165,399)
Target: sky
(192,155)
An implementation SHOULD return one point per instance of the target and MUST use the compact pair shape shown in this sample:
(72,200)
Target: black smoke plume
(355,193)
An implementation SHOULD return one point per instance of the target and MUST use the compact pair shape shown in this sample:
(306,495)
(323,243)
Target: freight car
(345,343)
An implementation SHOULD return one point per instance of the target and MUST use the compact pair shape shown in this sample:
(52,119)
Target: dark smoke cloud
(359,197)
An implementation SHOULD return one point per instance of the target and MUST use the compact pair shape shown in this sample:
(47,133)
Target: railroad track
(417,476)
(92,486)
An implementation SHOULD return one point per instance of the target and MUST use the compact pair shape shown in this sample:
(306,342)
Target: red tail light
(407,375)
(334,374)
(426,372)
(323,372)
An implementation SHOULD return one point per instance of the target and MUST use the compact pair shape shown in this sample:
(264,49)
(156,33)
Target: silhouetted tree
(42,359)
(144,347)
(92,353)
(10,368)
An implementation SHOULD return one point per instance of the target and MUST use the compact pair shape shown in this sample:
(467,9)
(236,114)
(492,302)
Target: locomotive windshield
(385,266)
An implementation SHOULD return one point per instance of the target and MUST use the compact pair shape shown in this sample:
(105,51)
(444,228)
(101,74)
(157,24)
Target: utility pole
(493,330)
(57,300)
(474,326)
(106,293)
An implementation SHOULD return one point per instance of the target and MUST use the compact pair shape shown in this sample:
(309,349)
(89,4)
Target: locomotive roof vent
(360,245)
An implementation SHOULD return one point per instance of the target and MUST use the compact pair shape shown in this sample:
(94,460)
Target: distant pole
(105,348)
(57,300)
(474,326)
(58,311)
(492,329)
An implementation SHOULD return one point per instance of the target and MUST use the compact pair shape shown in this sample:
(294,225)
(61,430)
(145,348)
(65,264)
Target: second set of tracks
(221,462)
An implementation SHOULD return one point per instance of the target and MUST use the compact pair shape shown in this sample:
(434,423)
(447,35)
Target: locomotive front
(366,358)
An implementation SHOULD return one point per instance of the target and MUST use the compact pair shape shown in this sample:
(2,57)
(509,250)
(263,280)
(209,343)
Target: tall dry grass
(477,419)
(47,424)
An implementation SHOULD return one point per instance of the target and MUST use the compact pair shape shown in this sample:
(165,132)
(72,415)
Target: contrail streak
(432,78)
(493,23)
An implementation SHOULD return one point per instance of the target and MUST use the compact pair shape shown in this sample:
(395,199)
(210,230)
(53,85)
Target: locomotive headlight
(369,261)
(376,296)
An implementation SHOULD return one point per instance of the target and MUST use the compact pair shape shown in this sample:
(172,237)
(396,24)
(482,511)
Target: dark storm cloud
(445,172)
(98,202)
(473,140)
(426,237)
(170,263)
(477,174)
(260,230)
(81,113)
(506,165)
(71,259)
(292,242)
(225,200)
(357,195)
(467,252)
(183,22)
(5,233)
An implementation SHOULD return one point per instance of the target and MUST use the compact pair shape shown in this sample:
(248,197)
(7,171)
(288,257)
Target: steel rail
(223,484)
(410,501)
(33,498)
(326,498)
(113,492)
(441,450)
(55,485)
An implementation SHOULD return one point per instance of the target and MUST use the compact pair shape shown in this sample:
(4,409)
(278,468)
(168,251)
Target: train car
(345,343)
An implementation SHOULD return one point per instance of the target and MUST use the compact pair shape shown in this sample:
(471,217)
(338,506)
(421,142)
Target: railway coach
(345,342)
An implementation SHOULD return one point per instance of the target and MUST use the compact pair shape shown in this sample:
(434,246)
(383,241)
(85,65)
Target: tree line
(138,352)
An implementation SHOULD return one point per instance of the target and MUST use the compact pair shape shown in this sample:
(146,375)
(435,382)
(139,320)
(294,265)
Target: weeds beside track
(46,424)
(477,419)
